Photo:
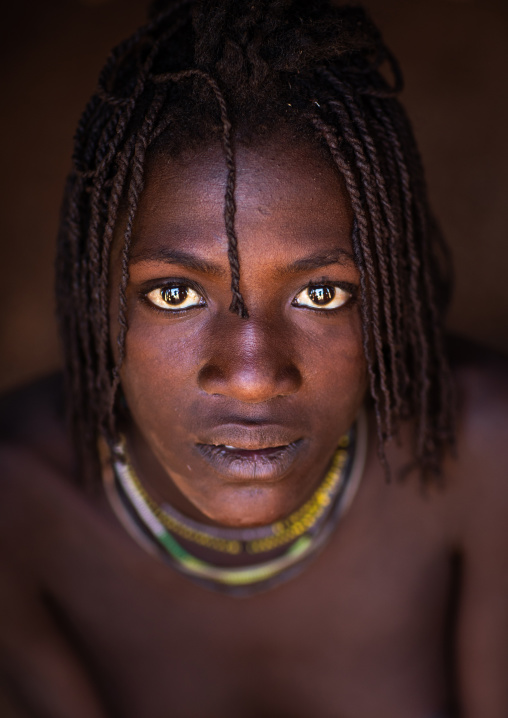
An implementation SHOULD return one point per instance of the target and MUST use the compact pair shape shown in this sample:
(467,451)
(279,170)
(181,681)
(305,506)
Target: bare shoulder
(39,671)
(482,379)
(478,474)
(32,422)
(477,503)
(35,450)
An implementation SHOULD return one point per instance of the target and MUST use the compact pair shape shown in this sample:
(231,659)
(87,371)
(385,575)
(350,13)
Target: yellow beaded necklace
(237,541)
(305,532)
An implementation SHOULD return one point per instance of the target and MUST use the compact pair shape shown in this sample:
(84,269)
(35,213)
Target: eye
(321,296)
(178,296)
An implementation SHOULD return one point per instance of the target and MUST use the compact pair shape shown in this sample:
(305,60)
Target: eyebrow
(190,261)
(315,261)
(175,256)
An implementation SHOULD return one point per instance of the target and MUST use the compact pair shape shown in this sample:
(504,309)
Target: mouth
(249,461)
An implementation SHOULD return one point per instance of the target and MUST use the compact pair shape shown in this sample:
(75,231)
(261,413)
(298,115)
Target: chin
(248,507)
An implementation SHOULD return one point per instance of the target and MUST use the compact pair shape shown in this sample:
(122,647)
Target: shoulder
(32,422)
(477,511)
(478,472)
(482,383)
(36,457)
(40,518)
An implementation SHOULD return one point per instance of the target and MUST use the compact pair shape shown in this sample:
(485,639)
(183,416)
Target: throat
(238,561)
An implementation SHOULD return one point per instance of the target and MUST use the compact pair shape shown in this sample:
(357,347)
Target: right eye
(175,298)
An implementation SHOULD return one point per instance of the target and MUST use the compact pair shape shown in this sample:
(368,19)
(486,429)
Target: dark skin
(198,376)
(96,626)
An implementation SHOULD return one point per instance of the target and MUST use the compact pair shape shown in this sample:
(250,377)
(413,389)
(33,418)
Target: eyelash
(351,289)
(168,284)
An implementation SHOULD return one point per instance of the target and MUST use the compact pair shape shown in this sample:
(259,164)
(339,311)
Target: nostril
(247,383)
(291,378)
(211,376)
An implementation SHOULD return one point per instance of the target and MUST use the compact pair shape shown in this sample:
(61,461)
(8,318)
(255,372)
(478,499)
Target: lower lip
(263,465)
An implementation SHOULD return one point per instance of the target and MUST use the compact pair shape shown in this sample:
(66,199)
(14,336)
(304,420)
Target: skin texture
(205,376)
(403,613)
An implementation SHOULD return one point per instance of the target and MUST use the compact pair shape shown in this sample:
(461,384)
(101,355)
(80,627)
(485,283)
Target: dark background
(454,54)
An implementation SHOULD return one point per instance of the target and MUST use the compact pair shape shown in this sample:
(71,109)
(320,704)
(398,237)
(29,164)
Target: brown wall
(455,57)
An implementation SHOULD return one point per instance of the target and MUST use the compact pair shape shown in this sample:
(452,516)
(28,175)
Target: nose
(251,362)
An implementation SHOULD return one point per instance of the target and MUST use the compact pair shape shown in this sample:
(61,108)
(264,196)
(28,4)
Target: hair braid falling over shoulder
(211,71)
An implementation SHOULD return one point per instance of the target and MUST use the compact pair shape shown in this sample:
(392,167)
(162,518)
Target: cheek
(335,366)
(159,369)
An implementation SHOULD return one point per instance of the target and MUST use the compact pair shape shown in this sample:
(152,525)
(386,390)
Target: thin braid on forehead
(201,72)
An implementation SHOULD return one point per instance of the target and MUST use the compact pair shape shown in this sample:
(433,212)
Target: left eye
(179,296)
(324,296)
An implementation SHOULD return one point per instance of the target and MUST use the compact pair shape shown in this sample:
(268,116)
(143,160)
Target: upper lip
(250,438)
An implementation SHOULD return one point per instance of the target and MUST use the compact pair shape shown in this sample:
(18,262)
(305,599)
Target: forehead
(287,197)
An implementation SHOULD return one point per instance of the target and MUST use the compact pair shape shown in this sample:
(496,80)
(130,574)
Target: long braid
(445,414)
(101,133)
(117,191)
(378,291)
(364,263)
(393,206)
(387,241)
(420,357)
(237,303)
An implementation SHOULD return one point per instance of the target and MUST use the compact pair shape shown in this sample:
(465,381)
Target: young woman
(283,494)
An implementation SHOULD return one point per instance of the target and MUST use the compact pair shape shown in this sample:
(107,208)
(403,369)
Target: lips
(251,453)
(250,436)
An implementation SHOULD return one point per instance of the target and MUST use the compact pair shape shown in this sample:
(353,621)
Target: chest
(369,611)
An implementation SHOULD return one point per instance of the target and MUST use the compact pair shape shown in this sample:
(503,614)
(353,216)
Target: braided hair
(206,70)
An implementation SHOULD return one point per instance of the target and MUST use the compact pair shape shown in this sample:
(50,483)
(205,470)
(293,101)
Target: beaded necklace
(306,530)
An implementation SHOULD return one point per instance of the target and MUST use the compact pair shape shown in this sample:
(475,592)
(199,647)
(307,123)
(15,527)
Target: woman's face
(242,416)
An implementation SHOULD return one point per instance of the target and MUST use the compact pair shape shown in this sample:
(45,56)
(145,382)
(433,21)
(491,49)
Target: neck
(298,538)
